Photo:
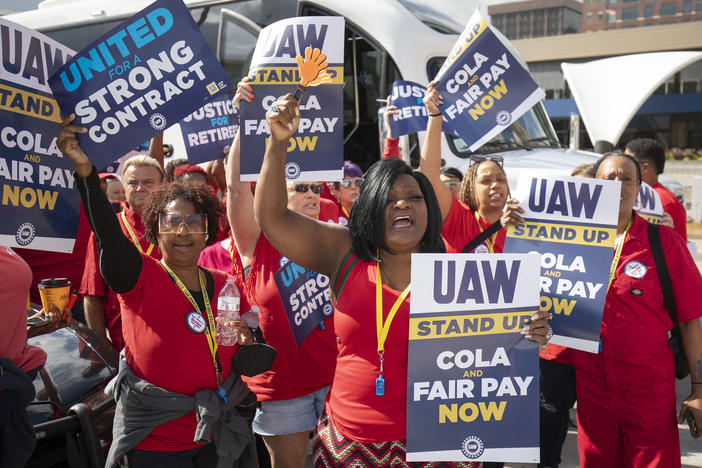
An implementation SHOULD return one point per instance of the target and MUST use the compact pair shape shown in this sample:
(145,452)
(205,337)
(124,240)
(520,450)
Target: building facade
(602,15)
(537,18)
(672,115)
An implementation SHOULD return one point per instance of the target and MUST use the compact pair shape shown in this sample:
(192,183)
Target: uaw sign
(145,74)
(472,377)
(484,87)
(316,150)
(572,223)
(38,204)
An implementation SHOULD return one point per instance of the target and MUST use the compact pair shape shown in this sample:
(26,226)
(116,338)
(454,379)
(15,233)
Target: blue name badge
(380,385)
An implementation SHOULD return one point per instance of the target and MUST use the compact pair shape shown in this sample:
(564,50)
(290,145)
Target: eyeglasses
(452,183)
(478,158)
(303,188)
(347,183)
(170,223)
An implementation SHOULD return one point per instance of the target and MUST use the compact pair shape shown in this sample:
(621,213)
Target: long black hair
(367,219)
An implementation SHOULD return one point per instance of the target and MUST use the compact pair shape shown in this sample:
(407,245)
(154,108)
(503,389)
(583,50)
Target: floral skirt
(333,450)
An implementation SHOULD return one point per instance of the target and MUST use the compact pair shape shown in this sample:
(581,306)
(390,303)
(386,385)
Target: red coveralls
(626,392)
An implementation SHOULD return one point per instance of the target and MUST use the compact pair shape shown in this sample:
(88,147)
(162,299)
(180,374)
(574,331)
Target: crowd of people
(158,245)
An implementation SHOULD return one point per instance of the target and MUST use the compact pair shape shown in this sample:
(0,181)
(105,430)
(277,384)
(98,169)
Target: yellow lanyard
(345,212)
(490,241)
(618,254)
(211,327)
(383,328)
(135,240)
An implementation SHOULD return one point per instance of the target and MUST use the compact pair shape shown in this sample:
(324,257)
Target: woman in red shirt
(483,194)
(395,215)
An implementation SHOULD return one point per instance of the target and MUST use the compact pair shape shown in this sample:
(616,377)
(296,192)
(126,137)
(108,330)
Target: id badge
(380,385)
(222,394)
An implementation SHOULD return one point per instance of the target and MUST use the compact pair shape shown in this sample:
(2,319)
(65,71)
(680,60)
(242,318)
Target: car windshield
(531,130)
(13,6)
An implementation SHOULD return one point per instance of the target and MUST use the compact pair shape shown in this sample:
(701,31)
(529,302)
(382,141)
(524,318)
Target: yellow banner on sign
(32,104)
(563,233)
(290,75)
(451,326)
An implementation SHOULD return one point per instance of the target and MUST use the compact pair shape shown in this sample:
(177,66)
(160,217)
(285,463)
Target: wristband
(438,114)
(696,383)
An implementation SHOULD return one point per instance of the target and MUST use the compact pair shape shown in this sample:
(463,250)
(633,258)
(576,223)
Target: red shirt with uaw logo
(165,344)
(461,227)
(635,322)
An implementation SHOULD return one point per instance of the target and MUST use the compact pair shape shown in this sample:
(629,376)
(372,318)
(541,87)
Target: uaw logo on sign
(25,234)
(157,121)
(504,118)
(472,447)
(292,170)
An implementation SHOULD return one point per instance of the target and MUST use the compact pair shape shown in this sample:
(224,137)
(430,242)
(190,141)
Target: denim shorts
(290,416)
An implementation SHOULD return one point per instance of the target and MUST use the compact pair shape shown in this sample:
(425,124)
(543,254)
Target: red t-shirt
(59,265)
(357,412)
(296,371)
(674,208)
(161,348)
(328,211)
(217,256)
(461,226)
(16,277)
(92,283)
(635,321)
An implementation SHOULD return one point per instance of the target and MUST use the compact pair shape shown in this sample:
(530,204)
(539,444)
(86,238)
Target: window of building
(648,11)
(689,86)
(589,17)
(612,2)
(599,16)
(687,7)
(612,17)
(630,1)
(698,6)
(667,9)
(589,2)
(630,14)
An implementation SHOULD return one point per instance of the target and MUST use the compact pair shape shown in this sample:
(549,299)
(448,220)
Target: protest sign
(648,204)
(316,151)
(412,115)
(572,223)
(305,296)
(483,85)
(472,377)
(209,129)
(39,205)
(144,75)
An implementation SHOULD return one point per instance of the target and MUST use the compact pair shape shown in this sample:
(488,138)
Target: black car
(71,415)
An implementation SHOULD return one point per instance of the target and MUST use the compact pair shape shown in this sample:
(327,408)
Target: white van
(387,40)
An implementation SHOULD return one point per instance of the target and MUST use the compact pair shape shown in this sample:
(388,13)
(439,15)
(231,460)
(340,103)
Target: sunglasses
(478,158)
(303,188)
(347,183)
(452,183)
(170,223)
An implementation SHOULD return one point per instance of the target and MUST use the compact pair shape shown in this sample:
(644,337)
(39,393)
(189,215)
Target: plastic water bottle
(228,304)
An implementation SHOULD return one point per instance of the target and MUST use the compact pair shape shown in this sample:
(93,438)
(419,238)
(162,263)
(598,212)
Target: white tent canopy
(610,91)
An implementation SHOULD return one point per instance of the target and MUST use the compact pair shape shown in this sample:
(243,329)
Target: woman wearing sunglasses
(173,366)
(346,191)
(482,197)
(395,215)
(292,393)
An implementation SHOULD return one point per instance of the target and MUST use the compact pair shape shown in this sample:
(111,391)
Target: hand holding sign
(283,118)
(315,61)
(68,144)
(432,99)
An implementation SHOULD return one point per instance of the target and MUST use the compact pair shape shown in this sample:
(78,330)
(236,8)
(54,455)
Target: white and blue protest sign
(572,223)
(208,130)
(648,204)
(39,206)
(305,296)
(316,151)
(472,377)
(484,87)
(144,75)
(412,115)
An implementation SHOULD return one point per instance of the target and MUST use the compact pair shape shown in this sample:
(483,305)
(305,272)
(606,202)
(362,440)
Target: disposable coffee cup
(54,291)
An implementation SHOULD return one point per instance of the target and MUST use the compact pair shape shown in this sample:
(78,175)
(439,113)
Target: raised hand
(432,99)
(244,92)
(68,145)
(283,118)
